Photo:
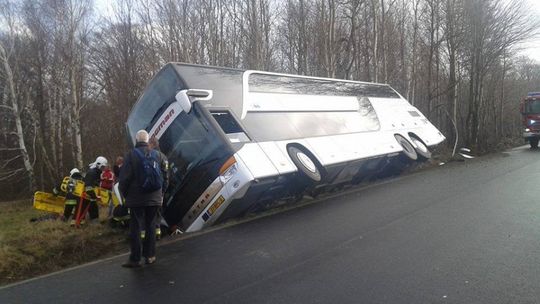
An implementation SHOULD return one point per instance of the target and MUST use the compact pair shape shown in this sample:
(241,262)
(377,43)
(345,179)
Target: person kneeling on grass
(142,183)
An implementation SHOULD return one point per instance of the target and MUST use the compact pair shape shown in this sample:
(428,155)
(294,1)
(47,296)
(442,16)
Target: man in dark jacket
(143,205)
(117,167)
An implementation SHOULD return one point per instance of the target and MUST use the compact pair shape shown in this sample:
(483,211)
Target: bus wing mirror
(183,100)
(199,94)
(186,97)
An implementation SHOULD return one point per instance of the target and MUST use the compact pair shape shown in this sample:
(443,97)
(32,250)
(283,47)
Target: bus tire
(409,153)
(305,162)
(421,149)
(533,142)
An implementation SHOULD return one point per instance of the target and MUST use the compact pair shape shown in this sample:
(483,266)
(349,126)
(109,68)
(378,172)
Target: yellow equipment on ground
(51,203)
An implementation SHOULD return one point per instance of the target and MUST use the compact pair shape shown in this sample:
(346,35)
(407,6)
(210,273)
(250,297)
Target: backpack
(150,172)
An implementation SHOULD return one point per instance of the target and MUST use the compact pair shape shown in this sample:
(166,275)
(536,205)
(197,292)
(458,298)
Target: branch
(7,108)
(84,104)
(34,142)
(7,162)
(11,174)
(45,158)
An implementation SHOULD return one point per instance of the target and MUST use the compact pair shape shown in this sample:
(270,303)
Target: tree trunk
(18,123)
(375,58)
(76,121)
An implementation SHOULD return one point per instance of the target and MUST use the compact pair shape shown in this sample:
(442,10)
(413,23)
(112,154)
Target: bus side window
(230,126)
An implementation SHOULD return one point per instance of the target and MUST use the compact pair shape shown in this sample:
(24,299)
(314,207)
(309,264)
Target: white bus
(237,140)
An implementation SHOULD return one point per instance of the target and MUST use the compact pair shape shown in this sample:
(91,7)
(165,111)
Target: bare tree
(495,26)
(13,96)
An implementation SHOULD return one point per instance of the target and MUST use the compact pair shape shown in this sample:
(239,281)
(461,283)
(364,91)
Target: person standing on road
(154,144)
(141,183)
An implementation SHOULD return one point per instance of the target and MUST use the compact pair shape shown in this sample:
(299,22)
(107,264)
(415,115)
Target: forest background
(69,74)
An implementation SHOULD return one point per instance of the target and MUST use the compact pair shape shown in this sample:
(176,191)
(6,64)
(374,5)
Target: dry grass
(28,249)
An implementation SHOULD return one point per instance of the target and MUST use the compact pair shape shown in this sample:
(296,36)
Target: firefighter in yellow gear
(71,199)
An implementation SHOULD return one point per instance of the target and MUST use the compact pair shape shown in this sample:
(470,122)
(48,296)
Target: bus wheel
(408,150)
(305,163)
(421,149)
(533,142)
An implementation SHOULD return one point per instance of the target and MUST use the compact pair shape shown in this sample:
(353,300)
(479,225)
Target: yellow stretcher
(104,195)
(51,203)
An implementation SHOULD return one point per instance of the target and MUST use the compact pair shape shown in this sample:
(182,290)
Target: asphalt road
(459,233)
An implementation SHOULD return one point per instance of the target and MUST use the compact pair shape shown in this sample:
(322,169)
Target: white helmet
(100,162)
(73,171)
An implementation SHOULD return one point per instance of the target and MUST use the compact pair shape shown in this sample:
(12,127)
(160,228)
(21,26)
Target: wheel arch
(417,137)
(423,155)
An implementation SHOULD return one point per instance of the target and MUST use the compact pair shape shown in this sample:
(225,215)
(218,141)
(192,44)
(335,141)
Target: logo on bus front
(163,122)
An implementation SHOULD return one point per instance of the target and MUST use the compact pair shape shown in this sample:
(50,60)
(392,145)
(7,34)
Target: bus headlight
(228,174)
(228,170)
(527,130)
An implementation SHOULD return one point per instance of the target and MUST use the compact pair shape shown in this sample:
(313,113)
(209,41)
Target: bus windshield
(196,150)
(161,90)
(532,107)
(188,140)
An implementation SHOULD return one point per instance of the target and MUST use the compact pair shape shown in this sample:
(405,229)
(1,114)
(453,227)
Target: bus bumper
(230,189)
(531,134)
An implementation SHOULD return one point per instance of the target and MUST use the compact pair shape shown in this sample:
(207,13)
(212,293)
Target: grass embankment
(29,249)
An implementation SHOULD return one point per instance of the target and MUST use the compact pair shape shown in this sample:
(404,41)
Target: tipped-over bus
(238,140)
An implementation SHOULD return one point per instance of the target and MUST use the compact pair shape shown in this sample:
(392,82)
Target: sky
(103,7)
(532,48)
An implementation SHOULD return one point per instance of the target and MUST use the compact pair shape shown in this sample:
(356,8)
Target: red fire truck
(530,113)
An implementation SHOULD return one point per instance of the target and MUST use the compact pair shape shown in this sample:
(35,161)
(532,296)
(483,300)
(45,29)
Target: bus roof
(226,83)
(231,86)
